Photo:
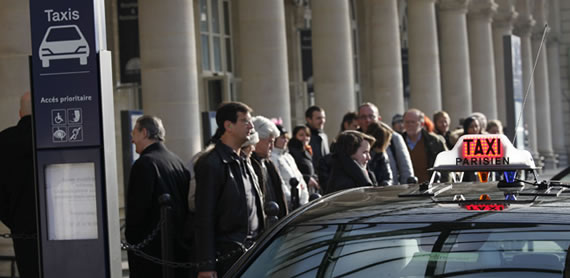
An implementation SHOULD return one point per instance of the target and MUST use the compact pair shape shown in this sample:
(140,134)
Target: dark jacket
(346,173)
(17,193)
(380,166)
(221,217)
(447,137)
(302,159)
(320,144)
(275,192)
(434,144)
(157,171)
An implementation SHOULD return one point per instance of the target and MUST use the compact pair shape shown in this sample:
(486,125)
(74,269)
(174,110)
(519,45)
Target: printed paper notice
(71,201)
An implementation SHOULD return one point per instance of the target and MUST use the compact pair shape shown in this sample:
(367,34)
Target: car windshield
(415,250)
(63,34)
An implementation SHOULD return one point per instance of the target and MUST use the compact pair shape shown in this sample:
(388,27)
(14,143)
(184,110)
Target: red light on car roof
(495,207)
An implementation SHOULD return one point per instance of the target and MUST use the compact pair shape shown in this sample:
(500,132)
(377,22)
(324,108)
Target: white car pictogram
(63,42)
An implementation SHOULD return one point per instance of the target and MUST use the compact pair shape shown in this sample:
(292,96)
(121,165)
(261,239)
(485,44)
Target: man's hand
(208,274)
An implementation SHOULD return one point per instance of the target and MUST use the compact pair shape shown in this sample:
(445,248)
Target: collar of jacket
(278,152)
(226,153)
(257,159)
(153,147)
(314,130)
(25,121)
(358,174)
(295,144)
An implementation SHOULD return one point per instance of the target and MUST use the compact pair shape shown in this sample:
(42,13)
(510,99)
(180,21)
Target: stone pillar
(541,87)
(425,84)
(169,72)
(523,27)
(332,61)
(386,89)
(455,71)
(15,47)
(502,25)
(263,50)
(481,57)
(556,108)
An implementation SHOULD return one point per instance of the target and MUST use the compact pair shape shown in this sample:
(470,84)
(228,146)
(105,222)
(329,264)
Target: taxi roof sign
(479,152)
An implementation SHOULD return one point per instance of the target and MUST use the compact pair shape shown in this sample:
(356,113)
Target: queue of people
(254,165)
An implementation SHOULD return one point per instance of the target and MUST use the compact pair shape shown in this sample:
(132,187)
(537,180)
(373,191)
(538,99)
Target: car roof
(368,205)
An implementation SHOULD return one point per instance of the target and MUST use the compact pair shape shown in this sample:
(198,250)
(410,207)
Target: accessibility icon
(74,115)
(59,134)
(76,134)
(58,117)
(63,42)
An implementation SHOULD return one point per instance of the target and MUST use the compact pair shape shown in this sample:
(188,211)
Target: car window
(63,34)
(415,250)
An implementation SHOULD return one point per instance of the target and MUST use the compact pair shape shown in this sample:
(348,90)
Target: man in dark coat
(229,209)
(157,171)
(17,193)
(270,180)
(316,118)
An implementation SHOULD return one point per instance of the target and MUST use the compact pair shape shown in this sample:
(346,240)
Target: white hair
(265,127)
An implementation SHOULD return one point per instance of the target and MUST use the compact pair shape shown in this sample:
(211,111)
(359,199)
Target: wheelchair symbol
(58,117)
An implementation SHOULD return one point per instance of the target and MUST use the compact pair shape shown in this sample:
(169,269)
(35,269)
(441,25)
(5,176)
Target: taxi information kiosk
(74,140)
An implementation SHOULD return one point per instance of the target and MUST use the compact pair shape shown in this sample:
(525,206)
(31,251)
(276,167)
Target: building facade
(177,59)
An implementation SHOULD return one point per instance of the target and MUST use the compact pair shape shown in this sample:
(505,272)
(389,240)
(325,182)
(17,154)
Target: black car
(505,228)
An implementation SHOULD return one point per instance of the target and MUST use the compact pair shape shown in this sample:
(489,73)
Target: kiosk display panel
(71,201)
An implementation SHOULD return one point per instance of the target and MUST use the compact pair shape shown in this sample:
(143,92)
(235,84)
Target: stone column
(523,27)
(502,25)
(385,60)
(332,61)
(425,84)
(542,88)
(263,50)
(169,72)
(455,71)
(481,56)
(556,108)
(15,47)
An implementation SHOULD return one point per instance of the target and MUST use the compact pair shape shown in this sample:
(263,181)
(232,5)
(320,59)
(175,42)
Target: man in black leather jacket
(229,211)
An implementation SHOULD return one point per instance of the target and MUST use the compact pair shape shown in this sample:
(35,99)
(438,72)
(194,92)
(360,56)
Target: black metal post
(295,203)
(166,236)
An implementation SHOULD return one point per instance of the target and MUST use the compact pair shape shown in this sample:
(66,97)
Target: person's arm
(207,188)
(403,158)
(384,174)
(139,200)
(390,176)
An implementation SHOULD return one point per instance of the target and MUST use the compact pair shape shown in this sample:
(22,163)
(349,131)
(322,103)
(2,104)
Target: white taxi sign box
(484,152)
